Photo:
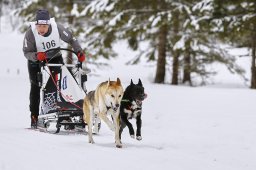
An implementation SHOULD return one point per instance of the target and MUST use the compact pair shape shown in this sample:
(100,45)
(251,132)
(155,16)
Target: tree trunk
(253,66)
(175,53)
(175,68)
(161,61)
(187,64)
(0,14)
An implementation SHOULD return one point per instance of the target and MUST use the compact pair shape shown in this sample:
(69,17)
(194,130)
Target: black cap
(42,17)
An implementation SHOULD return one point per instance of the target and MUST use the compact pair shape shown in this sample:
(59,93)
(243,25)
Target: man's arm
(67,36)
(29,46)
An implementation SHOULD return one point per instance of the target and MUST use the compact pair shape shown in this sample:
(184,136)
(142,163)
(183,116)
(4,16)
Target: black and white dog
(131,107)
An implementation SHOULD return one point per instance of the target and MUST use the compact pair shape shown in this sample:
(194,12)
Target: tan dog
(104,100)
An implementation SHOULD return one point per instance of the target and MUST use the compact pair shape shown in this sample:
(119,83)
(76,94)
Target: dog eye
(120,95)
(112,96)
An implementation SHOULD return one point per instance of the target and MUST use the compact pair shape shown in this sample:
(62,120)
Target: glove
(80,56)
(41,56)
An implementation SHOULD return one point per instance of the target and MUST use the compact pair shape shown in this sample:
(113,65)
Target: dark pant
(34,96)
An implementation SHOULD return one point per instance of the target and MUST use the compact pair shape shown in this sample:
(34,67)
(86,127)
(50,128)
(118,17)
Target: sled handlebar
(79,64)
(64,49)
(59,65)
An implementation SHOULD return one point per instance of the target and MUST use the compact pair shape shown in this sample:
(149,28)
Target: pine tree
(199,46)
(136,22)
(181,35)
(237,26)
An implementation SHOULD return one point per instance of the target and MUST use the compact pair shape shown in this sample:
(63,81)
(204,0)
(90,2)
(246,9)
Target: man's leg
(34,97)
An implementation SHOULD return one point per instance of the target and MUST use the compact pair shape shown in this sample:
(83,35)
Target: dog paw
(119,145)
(138,137)
(132,136)
(91,141)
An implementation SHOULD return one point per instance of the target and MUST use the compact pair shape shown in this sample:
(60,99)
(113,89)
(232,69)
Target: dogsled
(63,88)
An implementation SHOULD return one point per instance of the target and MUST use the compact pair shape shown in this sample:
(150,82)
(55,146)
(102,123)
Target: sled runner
(62,92)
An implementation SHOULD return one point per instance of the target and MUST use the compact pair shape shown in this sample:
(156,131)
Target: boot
(34,120)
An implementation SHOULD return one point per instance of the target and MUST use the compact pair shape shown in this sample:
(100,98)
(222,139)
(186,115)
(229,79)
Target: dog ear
(118,81)
(108,82)
(131,82)
(140,83)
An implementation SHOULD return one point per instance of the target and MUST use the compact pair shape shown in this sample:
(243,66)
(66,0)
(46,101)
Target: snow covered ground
(184,128)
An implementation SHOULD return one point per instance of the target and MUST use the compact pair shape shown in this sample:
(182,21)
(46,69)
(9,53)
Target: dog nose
(117,105)
(145,96)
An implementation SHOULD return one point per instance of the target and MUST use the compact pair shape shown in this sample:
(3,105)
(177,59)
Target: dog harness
(133,110)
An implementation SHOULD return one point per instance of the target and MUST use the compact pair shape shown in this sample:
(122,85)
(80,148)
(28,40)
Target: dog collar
(125,100)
